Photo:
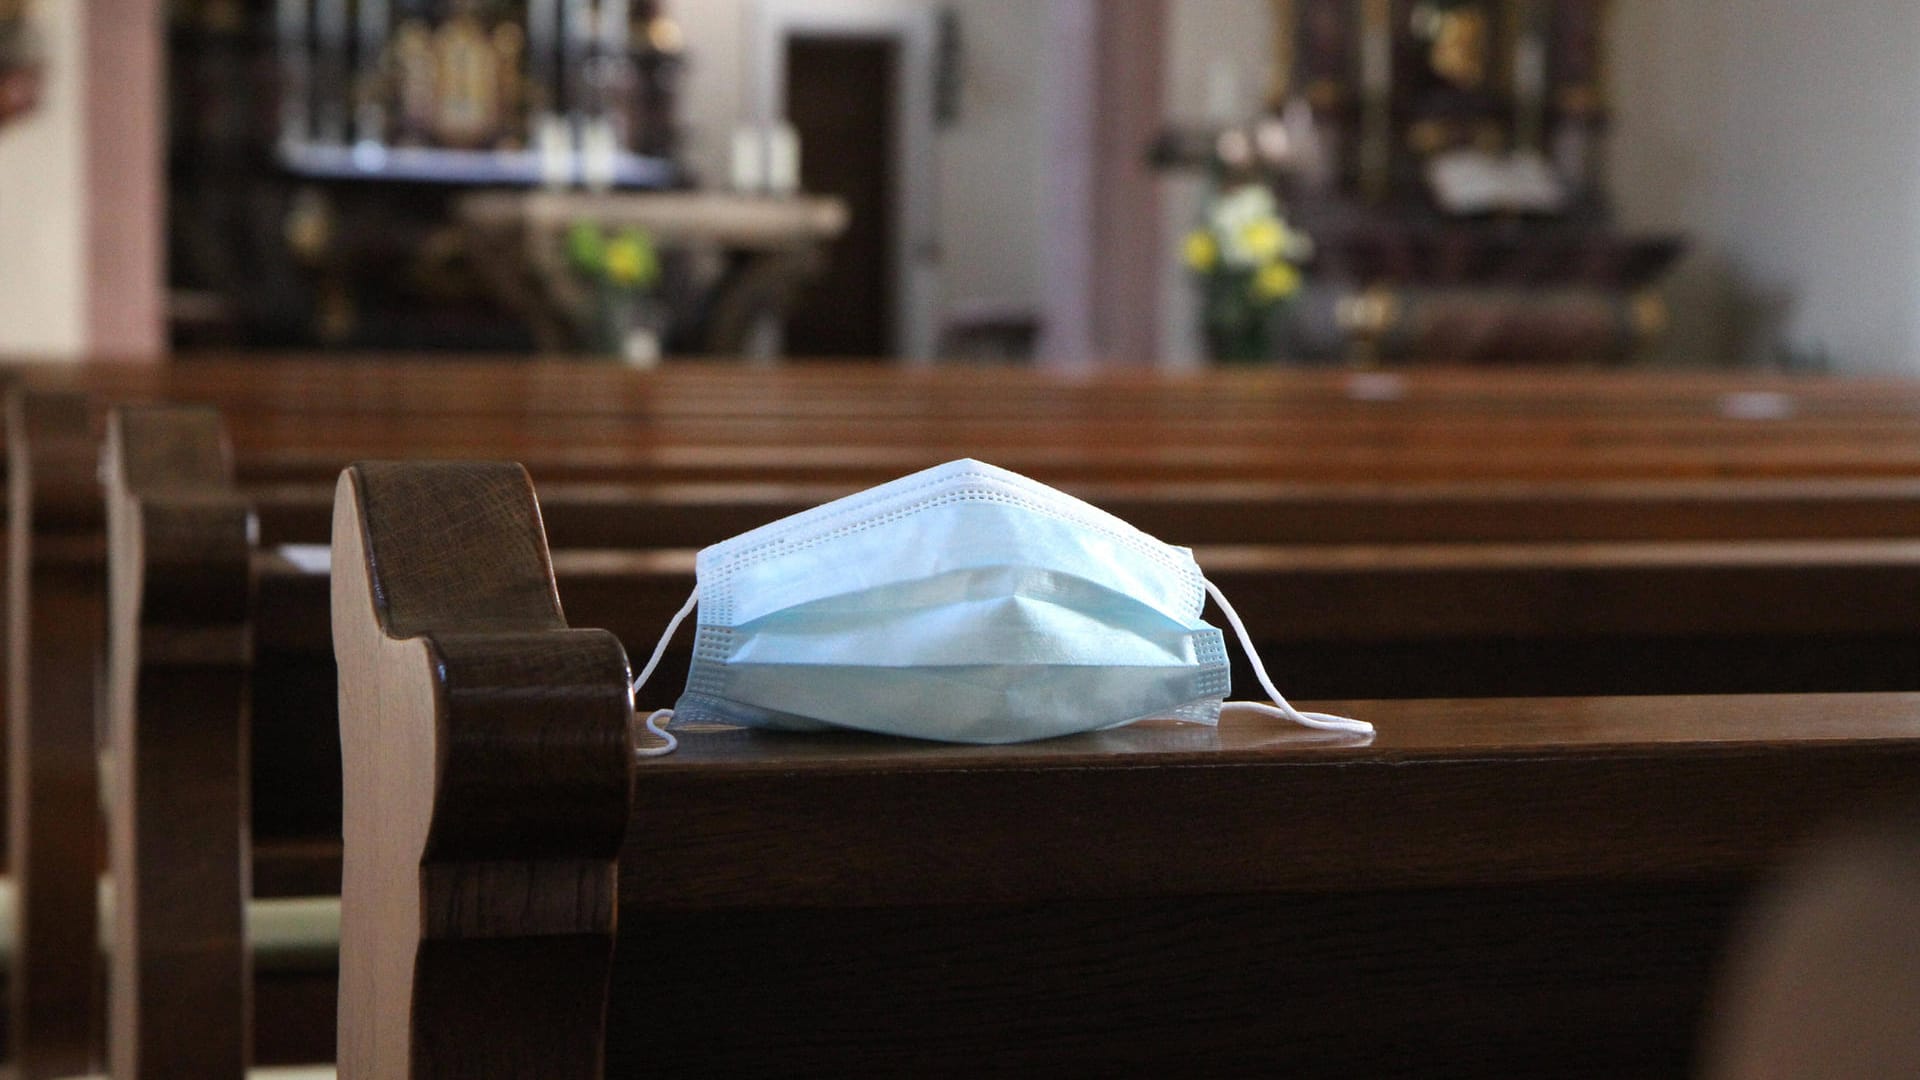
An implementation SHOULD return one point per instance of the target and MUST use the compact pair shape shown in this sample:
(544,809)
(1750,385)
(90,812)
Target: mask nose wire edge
(1280,706)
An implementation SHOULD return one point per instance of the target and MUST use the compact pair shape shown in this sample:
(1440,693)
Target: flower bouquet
(621,270)
(1247,263)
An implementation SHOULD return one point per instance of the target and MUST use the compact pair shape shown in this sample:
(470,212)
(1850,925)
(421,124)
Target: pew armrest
(487,782)
(54,618)
(180,615)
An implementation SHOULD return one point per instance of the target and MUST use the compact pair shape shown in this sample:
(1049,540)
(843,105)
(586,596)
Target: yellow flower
(1202,252)
(1263,239)
(1276,281)
(628,261)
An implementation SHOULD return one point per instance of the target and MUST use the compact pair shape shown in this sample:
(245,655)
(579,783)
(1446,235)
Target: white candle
(783,159)
(749,172)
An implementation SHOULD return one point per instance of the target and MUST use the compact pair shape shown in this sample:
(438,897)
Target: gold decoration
(1285,23)
(1429,137)
(469,105)
(1649,315)
(664,35)
(1489,137)
(1367,318)
(223,17)
(1460,40)
(509,47)
(1580,99)
(413,77)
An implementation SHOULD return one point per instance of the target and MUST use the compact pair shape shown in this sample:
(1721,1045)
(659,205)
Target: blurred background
(1063,182)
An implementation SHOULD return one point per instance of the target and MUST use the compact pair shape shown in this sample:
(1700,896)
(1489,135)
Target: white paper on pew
(307,558)
(1756,405)
(1376,386)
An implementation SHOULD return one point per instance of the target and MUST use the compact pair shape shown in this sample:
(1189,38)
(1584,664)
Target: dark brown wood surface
(506,386)
(647,515)
(181,601)
(488,953)
(845,425)
(1421,606)
(55,626)
(1486,887)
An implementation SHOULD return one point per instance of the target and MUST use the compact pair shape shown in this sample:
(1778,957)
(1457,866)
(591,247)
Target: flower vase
(1235,327)
(614,311)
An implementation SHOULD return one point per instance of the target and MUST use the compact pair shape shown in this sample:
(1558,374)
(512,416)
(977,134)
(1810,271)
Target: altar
(1443,164)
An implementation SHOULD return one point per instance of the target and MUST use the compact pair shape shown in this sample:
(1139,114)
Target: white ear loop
(1280,708)
(660,717)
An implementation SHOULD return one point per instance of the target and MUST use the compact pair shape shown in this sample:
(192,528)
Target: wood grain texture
(1487,887)
(1490,888)
(639,514)
(181,593)
(481,826)
(301,420)
(1261,457)
(55,624)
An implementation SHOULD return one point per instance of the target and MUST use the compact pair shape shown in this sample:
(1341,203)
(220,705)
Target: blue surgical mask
(965,604)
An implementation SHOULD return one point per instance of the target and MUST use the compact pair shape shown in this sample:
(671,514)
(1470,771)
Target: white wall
(1782,137)
(43,240)
(988,182)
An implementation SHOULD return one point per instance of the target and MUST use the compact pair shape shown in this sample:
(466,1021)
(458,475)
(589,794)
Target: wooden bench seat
(1487,888)
(1312,509)
(862,426)
(1377,618)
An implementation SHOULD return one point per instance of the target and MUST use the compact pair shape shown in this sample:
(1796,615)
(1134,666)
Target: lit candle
(783,159)
(749,171)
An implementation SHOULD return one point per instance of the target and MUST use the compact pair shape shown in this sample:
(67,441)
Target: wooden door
(841,95)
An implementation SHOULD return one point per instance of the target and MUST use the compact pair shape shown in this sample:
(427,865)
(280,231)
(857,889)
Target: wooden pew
(56,618)
(194,945)
(1488,888)
(1399,620)
(671,588)
(181,638)
(855,427)
(418,386)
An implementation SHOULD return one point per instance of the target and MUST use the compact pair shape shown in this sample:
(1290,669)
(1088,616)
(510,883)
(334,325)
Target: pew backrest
(439,631)
(55,600)
(181,647)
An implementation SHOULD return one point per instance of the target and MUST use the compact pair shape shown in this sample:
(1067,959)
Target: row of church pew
(1487,888)
(292,421)
(1608,543)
